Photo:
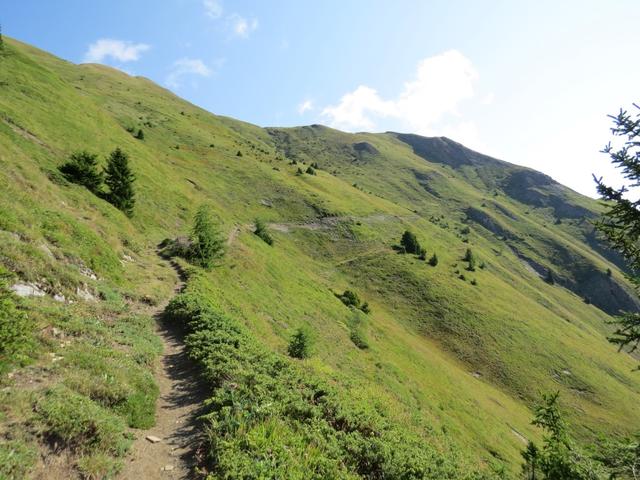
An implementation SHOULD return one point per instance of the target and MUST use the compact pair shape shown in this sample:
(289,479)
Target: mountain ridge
(456,356)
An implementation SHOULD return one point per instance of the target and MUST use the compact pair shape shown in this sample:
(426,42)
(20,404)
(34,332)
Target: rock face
(27,290)
(365,147)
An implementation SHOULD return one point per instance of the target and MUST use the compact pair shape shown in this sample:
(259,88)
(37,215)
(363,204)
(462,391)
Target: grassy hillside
(456,363)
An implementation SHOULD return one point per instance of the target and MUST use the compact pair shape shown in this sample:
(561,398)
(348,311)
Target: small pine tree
(299,171)
(207,244)
(310,171)
(470,258)
(410,242)
(423,254)
(300,344)
(140,134)
(82,168)
(239,153)
(433,261)
(119,179)
(366,308)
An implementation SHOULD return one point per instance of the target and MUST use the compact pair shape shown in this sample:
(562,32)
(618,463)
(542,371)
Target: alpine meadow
(186,295)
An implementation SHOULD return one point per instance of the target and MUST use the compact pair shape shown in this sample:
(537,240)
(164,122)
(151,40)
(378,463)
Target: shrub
(433,261)
(207,244)
(423,254)
(16,459)
(356,326)
(471,259)
(300,344)
(238,153)
(474,282)
(299,171)
(82,168)
(268,417)
(410,242)
(262,232)
(559,458)
(15,326)
(365,308)
(350,298)
(139,135)
(310,171)
(81,424)
(119,179)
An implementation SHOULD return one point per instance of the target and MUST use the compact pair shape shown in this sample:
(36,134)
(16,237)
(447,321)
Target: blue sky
(528,82)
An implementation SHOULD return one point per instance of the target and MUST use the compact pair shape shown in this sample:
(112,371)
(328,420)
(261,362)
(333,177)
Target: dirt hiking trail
(168,450)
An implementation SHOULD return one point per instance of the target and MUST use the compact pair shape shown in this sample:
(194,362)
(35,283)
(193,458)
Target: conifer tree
(410,242)
(207,244)
(433,261)
(82,168)
(119,179)
(620,224)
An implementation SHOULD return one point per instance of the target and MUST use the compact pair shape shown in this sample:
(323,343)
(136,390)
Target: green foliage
(549,278)
(470,258)
(621,457)
(82,168)
(299,171)
(79,423)
(300,344)
(410,243)
(15,327)
(433,261)
(357,326)
(620,224)
(119,179)
(207,244)
(139,134)
(559,458)
(310,171)
(270,418)
(238,153)
(114,380)
(350,298)
(423,254)
(16,459)
(262,231)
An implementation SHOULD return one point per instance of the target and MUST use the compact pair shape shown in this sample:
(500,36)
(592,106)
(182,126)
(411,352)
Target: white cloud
(184,67)
(115,49)
(213,8)
(241,26)
(305,106)
(427,105)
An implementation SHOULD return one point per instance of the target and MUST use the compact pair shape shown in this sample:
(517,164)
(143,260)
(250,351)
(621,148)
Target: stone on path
(153,439)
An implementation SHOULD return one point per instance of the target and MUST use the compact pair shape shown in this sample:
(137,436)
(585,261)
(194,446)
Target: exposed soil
(177,412)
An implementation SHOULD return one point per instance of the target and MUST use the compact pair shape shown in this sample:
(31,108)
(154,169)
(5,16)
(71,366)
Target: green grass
(456,364)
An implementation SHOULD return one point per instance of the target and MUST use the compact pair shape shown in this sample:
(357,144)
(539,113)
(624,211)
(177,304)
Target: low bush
(82,168)
(263,232)
(16,459)
(269,417)
(15,327)
(300,344)
(80,424)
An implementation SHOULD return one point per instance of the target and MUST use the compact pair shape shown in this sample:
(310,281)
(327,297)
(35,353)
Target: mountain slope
(458,363)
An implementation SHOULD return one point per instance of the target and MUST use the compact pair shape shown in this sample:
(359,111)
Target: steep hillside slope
(455,357)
